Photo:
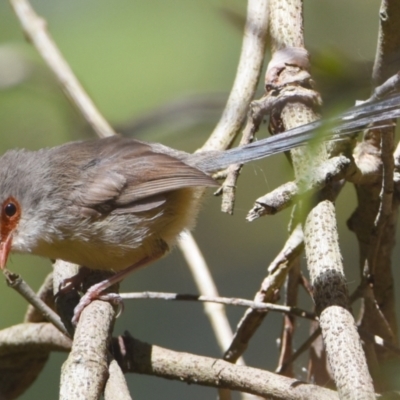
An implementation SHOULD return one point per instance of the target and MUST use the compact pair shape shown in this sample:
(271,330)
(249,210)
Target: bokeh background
(134,57)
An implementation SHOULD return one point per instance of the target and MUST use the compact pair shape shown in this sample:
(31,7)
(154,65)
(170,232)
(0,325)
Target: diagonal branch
(146,359)
(247,76)
(35,30)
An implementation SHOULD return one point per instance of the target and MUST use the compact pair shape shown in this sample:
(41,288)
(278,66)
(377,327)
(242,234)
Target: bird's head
(24,190)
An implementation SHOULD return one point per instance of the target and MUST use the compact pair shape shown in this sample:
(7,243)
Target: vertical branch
(388,47)
(324,262)
(86,370)
(289,321)
(375,219)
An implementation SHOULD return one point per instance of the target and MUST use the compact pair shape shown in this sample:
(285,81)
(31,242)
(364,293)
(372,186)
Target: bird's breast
(117,240)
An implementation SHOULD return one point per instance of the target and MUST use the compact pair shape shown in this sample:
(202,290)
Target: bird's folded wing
(133,178)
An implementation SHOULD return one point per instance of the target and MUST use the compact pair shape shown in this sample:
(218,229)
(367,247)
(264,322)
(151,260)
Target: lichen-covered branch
(143,358)
(341,339)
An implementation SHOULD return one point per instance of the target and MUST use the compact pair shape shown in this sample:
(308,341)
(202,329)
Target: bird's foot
(95,293)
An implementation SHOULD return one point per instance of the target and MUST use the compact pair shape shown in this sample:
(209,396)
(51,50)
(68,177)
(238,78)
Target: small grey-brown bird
(118,203)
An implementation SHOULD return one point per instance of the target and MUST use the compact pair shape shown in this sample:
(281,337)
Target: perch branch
(254,305)
(143,358)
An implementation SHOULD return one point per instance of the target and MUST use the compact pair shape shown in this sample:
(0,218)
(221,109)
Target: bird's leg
(94,292)
(74,282)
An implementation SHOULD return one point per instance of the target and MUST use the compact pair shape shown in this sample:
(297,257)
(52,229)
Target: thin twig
(331,170)
(380,341)
(242,92)
(228,188)
(385,195)
(254,305)
(299,351)
(46,294)
(391,85)
(289,321)
(19,285)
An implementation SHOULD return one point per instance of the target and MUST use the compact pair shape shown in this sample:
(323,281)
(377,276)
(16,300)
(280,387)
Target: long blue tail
(353,120)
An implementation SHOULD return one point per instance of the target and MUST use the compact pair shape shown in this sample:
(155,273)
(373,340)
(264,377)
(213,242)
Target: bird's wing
(124,176)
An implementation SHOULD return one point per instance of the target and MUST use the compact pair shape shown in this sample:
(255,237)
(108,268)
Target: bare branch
(284,196)
(86,370)
(24,351)
(324,260)
(45,293)
(39,336)
(305,346)
(376,217)
(289,324)
(391,85)
(143,358)
(116,387)
(229,186)
(387,52)
(254,305)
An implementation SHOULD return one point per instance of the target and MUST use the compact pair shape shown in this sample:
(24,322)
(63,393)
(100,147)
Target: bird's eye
(10,209)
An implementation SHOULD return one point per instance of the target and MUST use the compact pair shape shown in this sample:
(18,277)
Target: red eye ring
(9,219)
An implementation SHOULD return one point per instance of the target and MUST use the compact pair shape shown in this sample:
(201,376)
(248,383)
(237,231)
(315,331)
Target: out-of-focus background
(134,57)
